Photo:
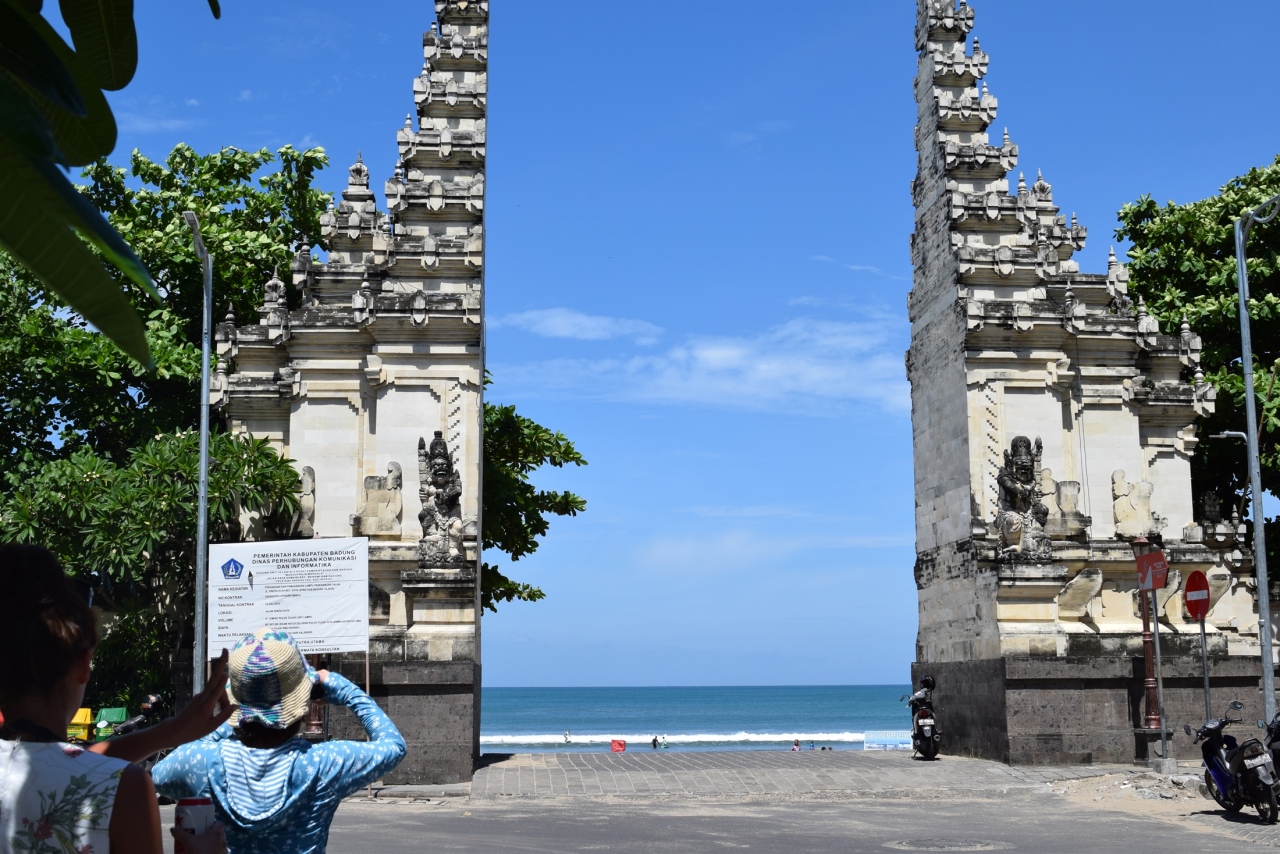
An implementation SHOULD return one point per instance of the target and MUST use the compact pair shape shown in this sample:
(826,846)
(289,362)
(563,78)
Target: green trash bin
(105,718)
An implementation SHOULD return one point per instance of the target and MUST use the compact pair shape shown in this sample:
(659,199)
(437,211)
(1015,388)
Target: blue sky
(698,267)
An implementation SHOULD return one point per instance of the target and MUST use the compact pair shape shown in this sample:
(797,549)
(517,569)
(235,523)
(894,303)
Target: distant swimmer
(655,742)
(795,745)
(664,742)
(566,736)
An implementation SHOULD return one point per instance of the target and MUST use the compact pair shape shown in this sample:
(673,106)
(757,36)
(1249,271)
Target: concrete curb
(451,790)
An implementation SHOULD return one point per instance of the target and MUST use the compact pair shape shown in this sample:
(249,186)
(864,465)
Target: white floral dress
(55,798)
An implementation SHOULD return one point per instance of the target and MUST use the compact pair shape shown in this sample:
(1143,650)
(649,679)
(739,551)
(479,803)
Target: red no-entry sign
(1196,595)
(1153,570)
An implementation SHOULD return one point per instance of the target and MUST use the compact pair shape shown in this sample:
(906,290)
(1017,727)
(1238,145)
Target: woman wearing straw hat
(274,792)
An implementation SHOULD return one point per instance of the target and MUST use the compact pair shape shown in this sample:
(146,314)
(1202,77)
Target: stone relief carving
(1022,514)
(1062,498)
(1075,596)
(1131,503)
(307,504)
(379,515)
(440,489)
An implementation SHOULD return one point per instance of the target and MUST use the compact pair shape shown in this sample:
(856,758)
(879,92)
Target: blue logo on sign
(232,569)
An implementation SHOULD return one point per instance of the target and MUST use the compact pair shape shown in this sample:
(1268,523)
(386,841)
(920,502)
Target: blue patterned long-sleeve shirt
(281,800)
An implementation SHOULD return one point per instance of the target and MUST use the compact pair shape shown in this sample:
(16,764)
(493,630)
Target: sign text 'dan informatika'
(317,590)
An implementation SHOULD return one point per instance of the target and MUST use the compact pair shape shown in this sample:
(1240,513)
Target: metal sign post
(1153,572)
(199,662)
(1196,596)
(1164,729)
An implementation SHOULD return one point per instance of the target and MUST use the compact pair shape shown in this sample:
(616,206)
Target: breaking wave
(703,738)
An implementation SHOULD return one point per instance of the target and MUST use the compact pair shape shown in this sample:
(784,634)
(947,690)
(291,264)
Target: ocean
(842,717)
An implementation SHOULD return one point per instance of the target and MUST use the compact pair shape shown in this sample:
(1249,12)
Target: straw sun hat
(269,679)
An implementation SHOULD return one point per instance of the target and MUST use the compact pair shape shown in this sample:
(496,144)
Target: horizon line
(628,687)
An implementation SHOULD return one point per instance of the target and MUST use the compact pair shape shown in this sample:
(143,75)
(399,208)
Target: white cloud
(568,323)
(774,511)
(804,366)
(192,102)
(736,550)
(138,123)
(771,128)
(857,268)
(246,95)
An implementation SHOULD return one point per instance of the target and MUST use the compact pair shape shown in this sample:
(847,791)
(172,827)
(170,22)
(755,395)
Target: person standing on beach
(795,745)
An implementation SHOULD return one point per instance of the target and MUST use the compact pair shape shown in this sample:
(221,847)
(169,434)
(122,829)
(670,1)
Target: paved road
(1043,824)
(744,773)
(778,801)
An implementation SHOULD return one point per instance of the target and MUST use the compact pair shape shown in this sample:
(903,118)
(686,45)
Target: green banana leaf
(105,39)
(24,54)
(33,227)
(23,123)
(80,139)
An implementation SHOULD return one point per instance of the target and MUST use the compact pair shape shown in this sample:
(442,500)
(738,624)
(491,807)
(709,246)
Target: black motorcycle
(1237,774)
(925,735)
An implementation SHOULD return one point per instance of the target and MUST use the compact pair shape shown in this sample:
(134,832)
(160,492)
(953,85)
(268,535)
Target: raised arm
(356,764)
(207,711)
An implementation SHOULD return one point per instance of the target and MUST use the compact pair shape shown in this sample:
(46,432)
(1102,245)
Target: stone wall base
(436,707)
(1053,711)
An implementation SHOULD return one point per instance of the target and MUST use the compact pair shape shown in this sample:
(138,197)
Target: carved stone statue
(1132,505)
(1022,515)
(273,292)
(379,516)
(307,504)
(440,488)
(1062,497)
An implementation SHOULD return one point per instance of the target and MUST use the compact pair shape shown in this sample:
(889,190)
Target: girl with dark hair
(55,795)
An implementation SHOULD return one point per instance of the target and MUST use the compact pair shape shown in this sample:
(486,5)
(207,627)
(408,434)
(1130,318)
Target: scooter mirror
(1262,724)
(1236,705)
(1186,728)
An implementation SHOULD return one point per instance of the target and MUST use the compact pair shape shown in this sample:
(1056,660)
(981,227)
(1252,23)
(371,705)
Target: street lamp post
(198,653)
(1154,719)
(1261,214)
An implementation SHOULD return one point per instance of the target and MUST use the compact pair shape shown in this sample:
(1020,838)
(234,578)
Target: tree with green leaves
(99,454)
(53,115)
(515,511)
(1183,265)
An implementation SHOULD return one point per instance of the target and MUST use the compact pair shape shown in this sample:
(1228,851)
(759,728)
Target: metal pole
(1204,658)
(1164,732)
(1255,475)
(199,657)
(1150,689)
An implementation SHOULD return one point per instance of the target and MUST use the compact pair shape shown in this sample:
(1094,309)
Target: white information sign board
(316,590)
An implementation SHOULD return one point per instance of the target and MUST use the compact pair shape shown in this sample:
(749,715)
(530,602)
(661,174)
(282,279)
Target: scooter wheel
(1228,804)
(1268,810)
(928,748)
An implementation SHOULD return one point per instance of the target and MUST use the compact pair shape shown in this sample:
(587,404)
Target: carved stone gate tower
(1053,422)
(377,378)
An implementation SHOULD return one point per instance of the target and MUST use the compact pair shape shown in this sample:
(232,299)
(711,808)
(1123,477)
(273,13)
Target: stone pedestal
(1054,711)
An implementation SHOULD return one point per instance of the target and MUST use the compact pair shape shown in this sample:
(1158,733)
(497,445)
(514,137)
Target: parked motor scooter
(1237,774)
(926,738)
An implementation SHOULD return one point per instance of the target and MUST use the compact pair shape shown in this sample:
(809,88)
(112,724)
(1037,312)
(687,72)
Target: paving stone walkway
(746,773)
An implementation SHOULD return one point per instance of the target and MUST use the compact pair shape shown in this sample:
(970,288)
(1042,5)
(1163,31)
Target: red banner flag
(618,746)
